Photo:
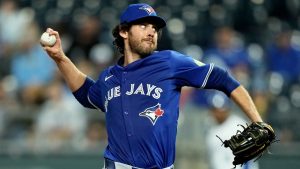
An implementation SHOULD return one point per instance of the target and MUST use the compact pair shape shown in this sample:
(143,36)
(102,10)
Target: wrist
(62,58)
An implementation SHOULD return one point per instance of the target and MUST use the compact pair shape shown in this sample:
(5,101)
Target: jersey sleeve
(95,96)
(188,71)
(89,94)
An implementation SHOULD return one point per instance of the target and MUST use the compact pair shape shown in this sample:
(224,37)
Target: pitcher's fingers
(56,34)
(47,48)
(53,32)
(49,30)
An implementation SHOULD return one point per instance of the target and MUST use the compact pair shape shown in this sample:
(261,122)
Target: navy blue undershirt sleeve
(81,94)
(220,79)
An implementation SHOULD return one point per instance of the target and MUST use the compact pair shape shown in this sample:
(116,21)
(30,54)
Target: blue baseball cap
(141,11)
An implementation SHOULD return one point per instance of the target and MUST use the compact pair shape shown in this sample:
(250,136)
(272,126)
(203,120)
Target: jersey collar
(134,65)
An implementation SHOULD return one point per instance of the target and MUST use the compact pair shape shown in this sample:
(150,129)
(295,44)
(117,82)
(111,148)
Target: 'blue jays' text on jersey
(141,102)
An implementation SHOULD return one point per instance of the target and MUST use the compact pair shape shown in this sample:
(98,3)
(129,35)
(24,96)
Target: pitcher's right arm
(72,75)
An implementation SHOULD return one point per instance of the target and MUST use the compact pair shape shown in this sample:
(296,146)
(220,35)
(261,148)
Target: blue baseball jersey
(141,105)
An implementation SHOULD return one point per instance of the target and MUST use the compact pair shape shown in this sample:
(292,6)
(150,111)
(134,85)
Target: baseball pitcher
(140,94)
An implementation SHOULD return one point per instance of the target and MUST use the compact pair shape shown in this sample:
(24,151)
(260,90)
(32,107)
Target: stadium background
(43,127)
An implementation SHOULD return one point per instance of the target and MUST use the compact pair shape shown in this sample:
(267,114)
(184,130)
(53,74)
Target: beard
(143,47)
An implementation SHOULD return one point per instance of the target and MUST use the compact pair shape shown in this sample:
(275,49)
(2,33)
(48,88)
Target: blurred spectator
(95,136)
(13,23)
(11,20)
(227,51)
(61,122)
(224,125)
(283,65)
(283,57)
(87,36)
(31,67)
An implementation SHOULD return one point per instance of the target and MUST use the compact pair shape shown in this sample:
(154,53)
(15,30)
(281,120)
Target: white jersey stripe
(211,67)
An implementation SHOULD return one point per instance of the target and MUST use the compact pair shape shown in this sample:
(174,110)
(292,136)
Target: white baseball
(48,40)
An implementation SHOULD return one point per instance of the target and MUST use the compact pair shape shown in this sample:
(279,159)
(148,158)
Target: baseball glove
(250,143)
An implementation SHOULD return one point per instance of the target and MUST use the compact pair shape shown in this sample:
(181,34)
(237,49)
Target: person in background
(227,51)
(31,67)
(61,123)
(283,57)
(224,124)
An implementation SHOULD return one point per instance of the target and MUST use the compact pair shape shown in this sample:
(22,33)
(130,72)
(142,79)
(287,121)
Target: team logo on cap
(148,9)
(153,113)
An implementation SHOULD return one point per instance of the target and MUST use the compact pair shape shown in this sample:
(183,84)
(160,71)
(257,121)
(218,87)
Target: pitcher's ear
(123,34)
